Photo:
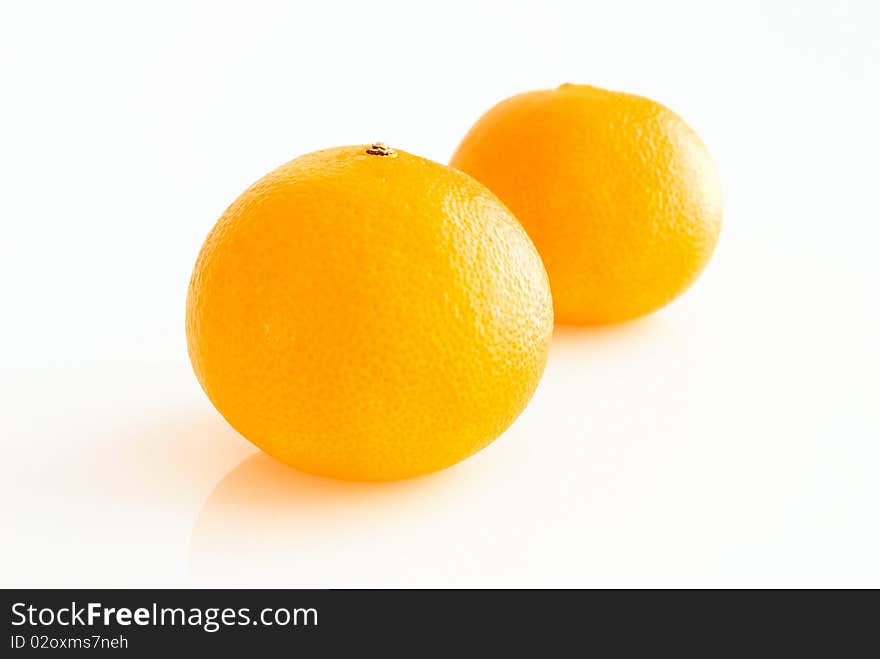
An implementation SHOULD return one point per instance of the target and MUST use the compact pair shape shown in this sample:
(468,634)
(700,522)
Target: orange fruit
(619,195)
(368,314)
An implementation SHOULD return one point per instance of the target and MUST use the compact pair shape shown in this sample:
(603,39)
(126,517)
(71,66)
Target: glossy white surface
(730,439)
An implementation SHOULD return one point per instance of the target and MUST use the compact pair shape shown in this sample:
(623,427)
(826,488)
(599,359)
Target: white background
(731,439)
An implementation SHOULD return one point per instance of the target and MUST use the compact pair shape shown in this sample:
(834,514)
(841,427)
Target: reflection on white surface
(268,523)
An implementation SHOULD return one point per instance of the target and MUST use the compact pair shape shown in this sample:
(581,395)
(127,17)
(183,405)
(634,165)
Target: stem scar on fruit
(381,149)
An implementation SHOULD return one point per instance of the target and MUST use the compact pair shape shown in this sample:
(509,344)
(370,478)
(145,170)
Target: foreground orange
(620,196)
(366,314)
